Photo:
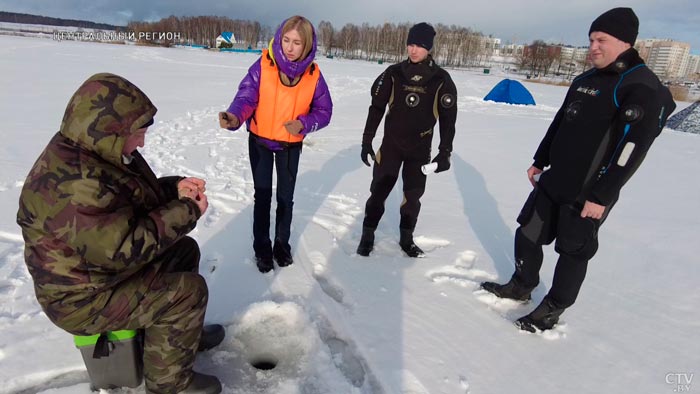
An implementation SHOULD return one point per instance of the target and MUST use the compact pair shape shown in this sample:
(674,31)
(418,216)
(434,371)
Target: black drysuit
(418,95)
(596,142)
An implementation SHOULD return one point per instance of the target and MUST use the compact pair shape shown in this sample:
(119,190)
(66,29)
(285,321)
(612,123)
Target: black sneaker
(511,290)
(212,335)
(544,317)
(282,254)
(264,263)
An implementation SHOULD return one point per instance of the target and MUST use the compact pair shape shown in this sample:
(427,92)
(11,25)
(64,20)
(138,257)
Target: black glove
(367,150)
(443,161)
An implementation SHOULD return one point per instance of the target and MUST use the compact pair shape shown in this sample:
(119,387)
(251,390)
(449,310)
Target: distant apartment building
(512,49)
(667,58)
(574,54)
(643,46)
(693,69)
(492,45)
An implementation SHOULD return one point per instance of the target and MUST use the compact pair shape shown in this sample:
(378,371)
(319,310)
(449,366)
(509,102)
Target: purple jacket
(246,100)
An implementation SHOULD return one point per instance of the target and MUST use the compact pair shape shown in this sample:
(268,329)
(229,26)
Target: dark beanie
(422,35)
(620,23)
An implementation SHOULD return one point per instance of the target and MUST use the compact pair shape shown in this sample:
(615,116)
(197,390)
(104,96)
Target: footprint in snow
(328,285)
(461,272)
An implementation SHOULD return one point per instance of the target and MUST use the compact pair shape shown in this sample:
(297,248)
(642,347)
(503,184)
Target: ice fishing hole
(264,364)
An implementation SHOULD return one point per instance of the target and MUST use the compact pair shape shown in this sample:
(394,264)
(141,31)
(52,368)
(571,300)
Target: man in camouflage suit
(106,240)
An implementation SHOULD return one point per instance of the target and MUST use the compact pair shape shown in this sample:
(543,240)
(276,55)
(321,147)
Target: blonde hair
(305,30)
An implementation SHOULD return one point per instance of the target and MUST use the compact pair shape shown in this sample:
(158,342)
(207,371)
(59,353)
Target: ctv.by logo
(680,381)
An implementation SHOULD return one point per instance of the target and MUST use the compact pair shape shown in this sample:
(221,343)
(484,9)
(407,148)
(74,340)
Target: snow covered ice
(335,322)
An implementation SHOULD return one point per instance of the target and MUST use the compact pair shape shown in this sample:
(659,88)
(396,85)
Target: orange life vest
(279,103)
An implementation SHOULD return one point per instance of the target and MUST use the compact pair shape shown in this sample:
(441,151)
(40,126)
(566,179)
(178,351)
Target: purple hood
(289,68)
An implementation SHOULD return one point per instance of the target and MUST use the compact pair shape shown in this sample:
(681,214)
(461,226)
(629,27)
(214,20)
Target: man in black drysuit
(601,134)
(418,93)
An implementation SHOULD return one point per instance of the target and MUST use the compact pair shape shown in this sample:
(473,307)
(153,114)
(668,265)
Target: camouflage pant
(168,301)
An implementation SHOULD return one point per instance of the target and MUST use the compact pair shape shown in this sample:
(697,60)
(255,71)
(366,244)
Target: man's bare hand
(592,210)
(531,172)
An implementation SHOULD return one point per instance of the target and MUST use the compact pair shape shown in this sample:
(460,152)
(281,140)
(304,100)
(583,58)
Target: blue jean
(286,163)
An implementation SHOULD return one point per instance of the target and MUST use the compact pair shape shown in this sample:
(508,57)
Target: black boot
(512,290)
(282,253)
(366,242)
(544,317)
(203,384)
(264,263)
(407,244)
(212,335)
(263,255)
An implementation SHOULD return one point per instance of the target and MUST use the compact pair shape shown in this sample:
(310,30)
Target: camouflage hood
(104,111)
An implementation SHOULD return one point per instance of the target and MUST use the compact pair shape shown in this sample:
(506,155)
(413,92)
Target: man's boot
(264,263)
(512,290)
(263,255)
(282,253)
(544,317)
(212,335)
(203,384)
(366,241)
(407,244)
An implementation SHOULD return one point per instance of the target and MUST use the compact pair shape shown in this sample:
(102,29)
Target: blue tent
(511,92)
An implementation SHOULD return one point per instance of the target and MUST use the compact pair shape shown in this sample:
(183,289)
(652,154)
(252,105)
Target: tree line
(203,30)
(454,46)
(540,58)
(14,17)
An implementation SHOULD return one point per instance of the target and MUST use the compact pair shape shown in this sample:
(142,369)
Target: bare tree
(540,56)
(348,37)
(326,34)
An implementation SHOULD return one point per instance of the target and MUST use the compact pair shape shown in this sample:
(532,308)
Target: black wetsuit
(418,95)
(598,139)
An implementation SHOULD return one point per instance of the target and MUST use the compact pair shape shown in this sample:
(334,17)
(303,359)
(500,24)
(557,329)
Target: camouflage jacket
(89,220)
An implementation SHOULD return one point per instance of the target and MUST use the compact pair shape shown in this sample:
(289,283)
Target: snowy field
(338,323)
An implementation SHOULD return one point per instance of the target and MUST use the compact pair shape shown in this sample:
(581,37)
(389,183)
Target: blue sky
(511,20)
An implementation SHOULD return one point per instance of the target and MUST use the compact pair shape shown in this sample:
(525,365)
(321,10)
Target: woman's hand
(293,127)
(228,120)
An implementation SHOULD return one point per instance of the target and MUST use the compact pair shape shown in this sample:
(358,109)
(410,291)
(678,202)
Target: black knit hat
(620,23)
(422,35)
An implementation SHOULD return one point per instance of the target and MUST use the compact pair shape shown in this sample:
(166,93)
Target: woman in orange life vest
(282,99)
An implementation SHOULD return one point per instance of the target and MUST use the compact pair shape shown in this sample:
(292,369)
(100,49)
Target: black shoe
(366,242)
(212,335)
(511,290)
(544,317)
(282,254)
(264,263)
(203,384)
(408,246)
